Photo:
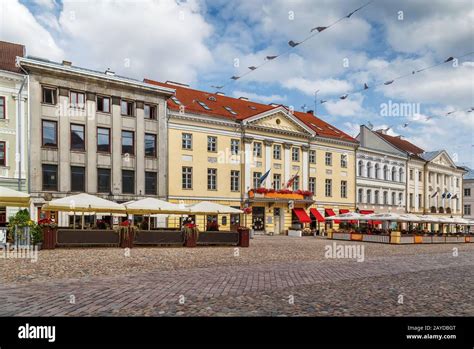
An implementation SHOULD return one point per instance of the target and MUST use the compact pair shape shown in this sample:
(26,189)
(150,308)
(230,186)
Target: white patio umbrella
(350,216)
(392,217)
(408,217)
(154,206)
(461,221)
(10,197)
(206,207)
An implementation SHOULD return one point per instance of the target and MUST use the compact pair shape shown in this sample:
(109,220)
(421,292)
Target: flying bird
(217,87)
(449,59)
(292,43)
(343,96)
(323,101)
(235,77)
(405,124)
(252,67)
(366,87)
(388,82)
(319,29)
(271,57)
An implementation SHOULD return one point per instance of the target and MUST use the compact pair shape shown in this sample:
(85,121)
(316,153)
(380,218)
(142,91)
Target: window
(394,199)
(343,189)
(187,177)
(344,160)
(457,182)
(467,191)
(3,153)
(128,141)
(369,196)
(385,173)
(128,182)
(296,183)
(385,198)
(150,145)
(400,175)
(150,183)
(411,199)
(3,114)
(50,133)
(126,108)
(204,105)
(103,180)
(234,180)
(229,109)
(420,200)
(257,149)
(377,171)
(312,156)
(187,141)
(50,177)
(212,144)
(411,176)
(175,100)
(256,179)
(103,140)
(467,210)
(76,99)
(360,166)
(420,177)
(149,111)
(295,154)
(277,152)
(369,169)
(312,185)
(394,173)
(376,197)
(78,178)
(328,187)
(103,104)
(211,179)
(328,159)
(49,95)
(234,146)
(360,195)
(277,181)
(400,199)
(78,137)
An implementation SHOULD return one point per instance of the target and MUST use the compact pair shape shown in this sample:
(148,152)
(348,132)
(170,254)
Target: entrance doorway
(258,219)
(278,220)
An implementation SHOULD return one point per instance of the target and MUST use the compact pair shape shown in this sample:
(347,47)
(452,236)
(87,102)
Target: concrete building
(468,194)
(434,181)
(94,132)
(381,174)
(221,147)
(13,123)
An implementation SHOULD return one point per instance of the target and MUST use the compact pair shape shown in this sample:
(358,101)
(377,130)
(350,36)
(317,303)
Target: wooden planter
(244,236)
(190,236)
(49,238)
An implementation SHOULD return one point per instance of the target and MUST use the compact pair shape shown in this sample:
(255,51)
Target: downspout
(20,146)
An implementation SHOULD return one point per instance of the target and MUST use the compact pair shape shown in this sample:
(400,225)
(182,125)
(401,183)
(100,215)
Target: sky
(204,43)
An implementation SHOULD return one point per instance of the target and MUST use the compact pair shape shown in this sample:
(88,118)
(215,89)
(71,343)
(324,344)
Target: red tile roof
(242,108)
(8,53)
(401,144)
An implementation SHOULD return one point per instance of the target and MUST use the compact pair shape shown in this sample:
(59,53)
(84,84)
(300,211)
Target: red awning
(343,210)
(302,215)
(316,214)
(329,212)
(366,211)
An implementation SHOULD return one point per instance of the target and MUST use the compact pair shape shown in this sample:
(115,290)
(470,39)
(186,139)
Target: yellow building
(220,147)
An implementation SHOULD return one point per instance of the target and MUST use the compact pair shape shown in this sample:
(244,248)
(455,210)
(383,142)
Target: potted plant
(48,230)
(127,232)
(191,234)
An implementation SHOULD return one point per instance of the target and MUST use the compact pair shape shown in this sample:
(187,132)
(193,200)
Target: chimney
(244,98)
(109,72)
(176,83)
(220,93)
(67,63)
(382,131)
(310,112)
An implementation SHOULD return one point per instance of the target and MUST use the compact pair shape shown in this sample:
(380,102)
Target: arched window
(385,172)
(394,200)
(400,199)
(369,196)
(369,169)
(360,196)
(400,175)
(361,164)
(376,197)
(394,173)
(377,171)
(385,198)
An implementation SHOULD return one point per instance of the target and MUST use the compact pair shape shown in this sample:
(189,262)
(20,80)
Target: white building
(468,195)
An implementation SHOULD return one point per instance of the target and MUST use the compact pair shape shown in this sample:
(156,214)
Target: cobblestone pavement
(433,283)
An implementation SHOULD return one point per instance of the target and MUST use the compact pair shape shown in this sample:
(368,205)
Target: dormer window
(229,109)
(204,105)
(176,100)
(212,98)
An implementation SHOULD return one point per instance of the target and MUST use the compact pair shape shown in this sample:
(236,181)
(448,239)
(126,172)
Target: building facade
(468,195)
(94,132)
(221,148)
(434,181)
(381,174)
(13,123)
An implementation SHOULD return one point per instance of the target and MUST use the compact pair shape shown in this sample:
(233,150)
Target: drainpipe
(26,79)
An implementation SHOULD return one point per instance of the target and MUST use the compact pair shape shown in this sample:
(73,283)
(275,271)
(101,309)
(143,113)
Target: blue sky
(199,42)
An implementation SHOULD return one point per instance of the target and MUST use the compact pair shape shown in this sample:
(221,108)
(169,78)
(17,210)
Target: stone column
(91,143)
(287,162)
(415,195)
(116,139)
(140,149)
(247,163)
(268,163)
(64,142)
(305,165)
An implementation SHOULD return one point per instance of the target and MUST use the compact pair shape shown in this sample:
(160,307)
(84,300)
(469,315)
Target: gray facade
(76,92)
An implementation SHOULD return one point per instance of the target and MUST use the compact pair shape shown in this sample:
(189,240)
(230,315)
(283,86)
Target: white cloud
(260,98)
(18,25)
(329,86)
(352,106)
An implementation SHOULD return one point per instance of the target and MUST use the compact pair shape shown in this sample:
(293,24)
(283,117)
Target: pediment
(279,120)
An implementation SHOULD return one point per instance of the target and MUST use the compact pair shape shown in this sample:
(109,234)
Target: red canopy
(302,215)
(317,215)
(343,210)
(369,212)
(330,212)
